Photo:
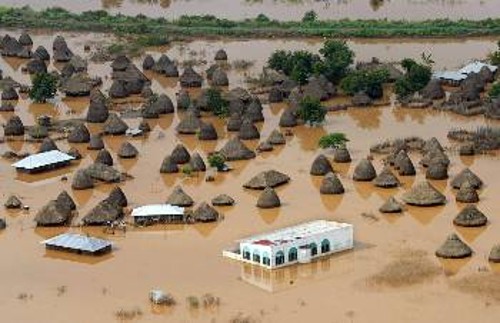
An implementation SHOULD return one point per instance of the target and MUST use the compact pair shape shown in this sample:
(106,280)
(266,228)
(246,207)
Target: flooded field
(185,260)
(326,9)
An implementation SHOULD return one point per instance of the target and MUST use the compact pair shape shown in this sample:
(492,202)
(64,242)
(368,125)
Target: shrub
(369,82)
(44,87)
(216,160)
(333,140)
(494,92)
(215,101)
(311,111)
(416,78)
(299,65)
(187,169)
(310,16)
(337,57)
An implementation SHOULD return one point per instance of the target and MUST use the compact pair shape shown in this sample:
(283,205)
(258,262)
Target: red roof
(264,242)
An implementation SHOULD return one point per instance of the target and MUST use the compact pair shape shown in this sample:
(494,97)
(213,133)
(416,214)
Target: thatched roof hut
(269,178)
(467,194)
(470,216)
(391,206)
(466,175)
(424,194)
(235,149)
(179,198)
(331,185)
(454,248)
(321,166)
(364,171)
(268,199)
(386,179)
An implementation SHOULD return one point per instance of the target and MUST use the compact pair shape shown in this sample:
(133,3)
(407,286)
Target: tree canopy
(311,111)
(44,87)
(333,140)
(368,81)
(416,78)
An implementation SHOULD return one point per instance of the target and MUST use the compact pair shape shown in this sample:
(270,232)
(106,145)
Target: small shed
(476,67)
(43,161)
(452,78)
(158,213)
(78,243)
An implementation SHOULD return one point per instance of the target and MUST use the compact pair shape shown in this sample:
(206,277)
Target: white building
(456,77)
(158,213)
(43,161)
(296,244)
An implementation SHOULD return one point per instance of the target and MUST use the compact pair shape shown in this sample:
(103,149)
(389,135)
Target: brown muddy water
(41,286)
(283,9)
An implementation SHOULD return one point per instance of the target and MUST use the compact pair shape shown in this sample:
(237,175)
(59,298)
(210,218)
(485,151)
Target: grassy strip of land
(259,27)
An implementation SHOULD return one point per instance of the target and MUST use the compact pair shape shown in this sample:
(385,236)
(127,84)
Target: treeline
(261,26)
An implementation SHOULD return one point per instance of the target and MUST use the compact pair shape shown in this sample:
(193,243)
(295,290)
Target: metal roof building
(78,243)
(43,161)
(455,77)
(295,244)
(164,213)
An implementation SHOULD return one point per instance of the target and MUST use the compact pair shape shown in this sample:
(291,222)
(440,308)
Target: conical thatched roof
(121,63)
(190,78)
(437,171)
(189,125)
(98,111)
(14,127)
(180,198)
(148,62)
(79,134)
(264,146)
(341,155)
(64,201)
(364,171)
(470,216)
(435,156)
(222,200)
(183,100)
(114,125)
(103,213)
(163,105)
(494,255)
(235,149)
(104,157)
(13,202)
(75,153)
(219,78)
(127,150)
(82,180)
(47,145)
(95,142)
(52,214)
(288,118)
(276,138)
(467,194)
(168,166)
(386,179)
(41,53)
(197,164)
(104,173)
(321,166)
(221,55)
(432,145)
(268,199)
(180,155)
(207,132)
(269,178)
(205,213)
(466,176)
(117,197)
(331,184)
(254,111)
(234,122)
(424,194)
(433,90)
(25,39)
(391,206)
(404,165)
(454,248)
(248,131)
(9,93)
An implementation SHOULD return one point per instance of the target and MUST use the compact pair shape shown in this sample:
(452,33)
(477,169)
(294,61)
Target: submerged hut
(78,243)
(43,161)
(158,213)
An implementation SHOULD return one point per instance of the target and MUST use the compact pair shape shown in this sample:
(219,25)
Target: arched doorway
(246,253)
(256,256)
(325,246)
(314,249)
(265,259)
(292,254)
(280,258)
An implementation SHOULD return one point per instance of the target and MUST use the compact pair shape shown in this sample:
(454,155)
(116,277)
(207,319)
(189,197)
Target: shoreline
(156,30)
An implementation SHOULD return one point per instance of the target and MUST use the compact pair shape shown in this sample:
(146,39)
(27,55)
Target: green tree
(337,57)
(368,81)
(416,78)
(495,56)
(216,160)
(215,101)
(298,65)
(310,16)
(311,111)
(494,92)
(44,87)
(333,140)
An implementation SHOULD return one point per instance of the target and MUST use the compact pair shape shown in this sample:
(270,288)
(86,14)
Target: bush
(416,78)
(337,57)
(44,87)
(333,140)
(494,92)
(215,101)
(310,16)
(299,65)
(216,160)
(369,82)
(311,111)
(187,169)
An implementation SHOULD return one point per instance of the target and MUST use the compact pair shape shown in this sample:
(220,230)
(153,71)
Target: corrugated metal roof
(450,75)
(77,242)
(475,67)
(157,209)
(43,159)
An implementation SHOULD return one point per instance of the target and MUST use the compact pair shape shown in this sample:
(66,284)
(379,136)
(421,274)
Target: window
(265,259)
(314,249)
(280,258)
(256,257)
(325,246)
(246,254)
(292,254)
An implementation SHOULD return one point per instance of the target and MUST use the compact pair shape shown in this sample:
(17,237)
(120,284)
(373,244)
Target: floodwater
(284,9)
(41,286)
